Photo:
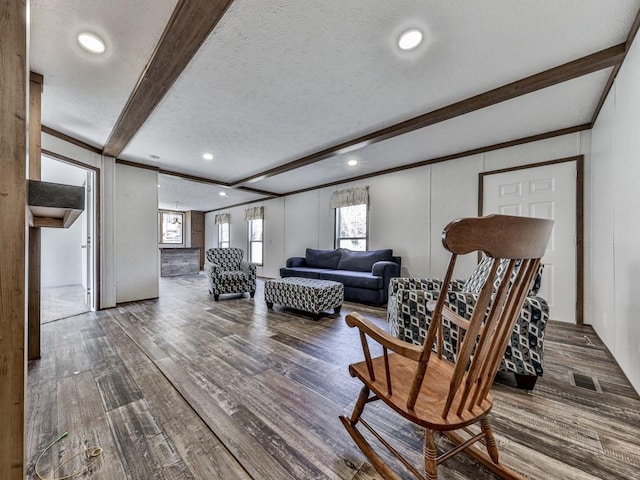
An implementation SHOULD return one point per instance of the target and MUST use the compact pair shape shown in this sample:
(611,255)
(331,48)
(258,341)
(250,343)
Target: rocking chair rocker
(427,389)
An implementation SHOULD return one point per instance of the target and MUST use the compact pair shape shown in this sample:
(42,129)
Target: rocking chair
(431,391)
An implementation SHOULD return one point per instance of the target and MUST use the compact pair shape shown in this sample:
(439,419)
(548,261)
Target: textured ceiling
(561,106)
(175,193)
(278,80)
(85,93)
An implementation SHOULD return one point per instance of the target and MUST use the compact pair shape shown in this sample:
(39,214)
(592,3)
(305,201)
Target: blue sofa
(365,275)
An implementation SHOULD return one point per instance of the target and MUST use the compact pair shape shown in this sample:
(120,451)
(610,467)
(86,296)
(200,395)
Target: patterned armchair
(409,315)
(227,272)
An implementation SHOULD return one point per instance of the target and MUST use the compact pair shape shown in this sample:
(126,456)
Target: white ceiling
(84,93)
(279,80)
(175,193)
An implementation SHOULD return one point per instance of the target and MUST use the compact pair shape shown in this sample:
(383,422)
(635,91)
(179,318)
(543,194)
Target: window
(223,235)
(351,227)
(223,221)
(255,241)
(171,227)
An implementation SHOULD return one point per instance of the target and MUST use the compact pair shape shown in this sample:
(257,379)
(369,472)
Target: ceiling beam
(422,163)
(453,156)
(120,161)
(195,178)
(605,93)
(191,23)
(609,57)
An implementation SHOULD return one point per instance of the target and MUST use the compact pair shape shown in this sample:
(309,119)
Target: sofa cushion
(349,278)
(323,258)
(304,272)
(362,261)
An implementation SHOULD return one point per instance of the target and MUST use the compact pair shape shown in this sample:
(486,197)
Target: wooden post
(35,127)
(13,143)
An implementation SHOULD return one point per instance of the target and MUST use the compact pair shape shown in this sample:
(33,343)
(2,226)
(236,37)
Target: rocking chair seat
(432,397)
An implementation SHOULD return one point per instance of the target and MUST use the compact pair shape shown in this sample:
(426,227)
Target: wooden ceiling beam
(605,93)
(431,161)
(453,156)
(609,57)
(191,23)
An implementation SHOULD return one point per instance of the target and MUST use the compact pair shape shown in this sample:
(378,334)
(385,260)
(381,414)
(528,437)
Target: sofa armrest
(382,269)
(386,270)
(295,262)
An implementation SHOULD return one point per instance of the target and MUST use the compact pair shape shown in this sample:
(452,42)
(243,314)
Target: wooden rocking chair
(431,391)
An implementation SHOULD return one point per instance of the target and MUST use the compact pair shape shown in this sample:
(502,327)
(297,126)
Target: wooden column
(195,232)
(35,134)
(13,139)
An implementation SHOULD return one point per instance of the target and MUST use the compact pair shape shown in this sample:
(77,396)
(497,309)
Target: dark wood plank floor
(186,388)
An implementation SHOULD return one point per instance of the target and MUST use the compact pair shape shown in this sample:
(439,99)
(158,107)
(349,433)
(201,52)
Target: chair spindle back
(523,242)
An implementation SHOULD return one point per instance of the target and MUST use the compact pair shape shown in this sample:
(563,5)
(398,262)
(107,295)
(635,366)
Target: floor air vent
(584,381)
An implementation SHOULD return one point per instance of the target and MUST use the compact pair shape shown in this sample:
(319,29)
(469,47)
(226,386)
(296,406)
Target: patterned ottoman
(307,294)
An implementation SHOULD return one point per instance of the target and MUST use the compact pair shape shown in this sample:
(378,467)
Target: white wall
(136,233)
(615,229)
(408,209)
(61,248)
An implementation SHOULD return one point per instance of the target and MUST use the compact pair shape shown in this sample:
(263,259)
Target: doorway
(547,190)
(68,257)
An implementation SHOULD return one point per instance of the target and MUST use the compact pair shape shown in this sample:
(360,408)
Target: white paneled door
(544,192)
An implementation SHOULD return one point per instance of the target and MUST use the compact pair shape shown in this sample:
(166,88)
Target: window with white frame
(255,241)
(223,220)
(223,235)
(255,218)
(352,218)
(351,227)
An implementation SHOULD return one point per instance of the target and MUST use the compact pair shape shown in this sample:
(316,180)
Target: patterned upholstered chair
(227,272)
(408,314)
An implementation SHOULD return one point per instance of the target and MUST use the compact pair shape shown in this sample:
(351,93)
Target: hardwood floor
(183,387)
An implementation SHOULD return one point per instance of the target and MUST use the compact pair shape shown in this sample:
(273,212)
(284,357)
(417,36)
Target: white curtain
(222,218)
(352,196)
(254,213)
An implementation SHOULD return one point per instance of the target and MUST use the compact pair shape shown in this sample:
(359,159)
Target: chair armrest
(404,283)
(211,269)
(534,316)
(295,262)
(410,324)
(385,339)
(249,268)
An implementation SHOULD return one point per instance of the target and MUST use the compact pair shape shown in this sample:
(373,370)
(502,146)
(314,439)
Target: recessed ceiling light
(91,42)
(223,194)
(410,39)
(207,156)
(352,162)
(158,185)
